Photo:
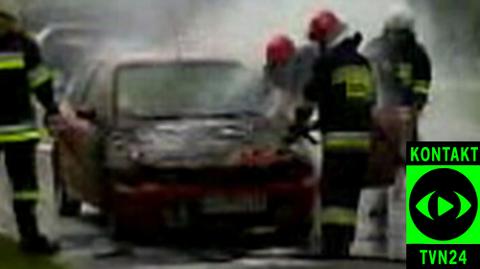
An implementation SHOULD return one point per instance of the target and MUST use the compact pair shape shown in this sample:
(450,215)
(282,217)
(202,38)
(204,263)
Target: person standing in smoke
(22,74)
(278,73)
(341,89)
(402,65)
(403,76)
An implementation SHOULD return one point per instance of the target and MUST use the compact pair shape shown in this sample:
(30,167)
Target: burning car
(164,143)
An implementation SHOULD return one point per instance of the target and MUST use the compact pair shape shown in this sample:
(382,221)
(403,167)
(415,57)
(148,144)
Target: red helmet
(280,49)
(323,25)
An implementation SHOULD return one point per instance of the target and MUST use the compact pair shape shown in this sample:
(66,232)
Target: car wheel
(298,233)
(67,206)
(124,231)
(118,230)
(121,231)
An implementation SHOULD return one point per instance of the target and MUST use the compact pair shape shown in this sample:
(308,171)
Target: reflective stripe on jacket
(339,216)
(19,133)
(347,141)
(27,195)
(22,74)
(342,86)
(11,60)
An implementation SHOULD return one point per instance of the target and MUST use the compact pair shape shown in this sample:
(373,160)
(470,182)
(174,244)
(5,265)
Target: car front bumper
(156,206)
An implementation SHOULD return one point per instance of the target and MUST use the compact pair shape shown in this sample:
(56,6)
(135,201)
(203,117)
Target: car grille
(221,175)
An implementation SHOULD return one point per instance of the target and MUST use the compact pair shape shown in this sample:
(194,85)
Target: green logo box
(414,174)
(442,224)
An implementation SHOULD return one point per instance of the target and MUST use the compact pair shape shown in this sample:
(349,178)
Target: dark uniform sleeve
(40,78)
(314,87)
(318,82)
(311,92)
(422,77)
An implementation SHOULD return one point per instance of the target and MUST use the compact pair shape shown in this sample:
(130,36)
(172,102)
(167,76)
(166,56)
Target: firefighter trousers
(343,174)
(21,170)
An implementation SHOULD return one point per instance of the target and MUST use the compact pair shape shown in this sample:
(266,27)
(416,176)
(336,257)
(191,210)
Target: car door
(79,141)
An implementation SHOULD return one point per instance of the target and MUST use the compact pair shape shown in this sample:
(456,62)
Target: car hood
(199,143)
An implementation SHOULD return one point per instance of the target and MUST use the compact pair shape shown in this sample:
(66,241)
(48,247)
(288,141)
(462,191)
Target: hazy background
(240,27)
(237,27)
(449,29)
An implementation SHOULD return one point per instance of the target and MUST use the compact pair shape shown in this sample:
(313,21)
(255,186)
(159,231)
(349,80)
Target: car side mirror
(86,113)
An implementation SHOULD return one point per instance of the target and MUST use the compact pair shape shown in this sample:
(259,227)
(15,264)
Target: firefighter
(342,89)
(403,76)
(280,52)
(402,65)
(22,74)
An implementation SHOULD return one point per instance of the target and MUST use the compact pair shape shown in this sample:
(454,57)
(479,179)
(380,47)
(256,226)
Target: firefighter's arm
(312,95)
(302,125)
(422,78)
(40,78)
(318,81)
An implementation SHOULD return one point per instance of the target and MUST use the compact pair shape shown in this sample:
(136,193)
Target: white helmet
(400,18)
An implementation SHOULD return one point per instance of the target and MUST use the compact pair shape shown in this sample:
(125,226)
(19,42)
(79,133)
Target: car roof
(108,62)
(115,60)
(67,28)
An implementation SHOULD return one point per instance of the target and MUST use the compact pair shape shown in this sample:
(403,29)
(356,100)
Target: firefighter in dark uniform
(22,74)
(402,65)
(342,89)
(403,76)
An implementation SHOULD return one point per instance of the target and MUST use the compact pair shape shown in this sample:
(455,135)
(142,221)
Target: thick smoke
(237,28)
(454,34)
(452,31)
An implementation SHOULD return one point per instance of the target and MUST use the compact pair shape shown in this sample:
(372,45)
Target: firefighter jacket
(342,86)
(21,75)
(403,72)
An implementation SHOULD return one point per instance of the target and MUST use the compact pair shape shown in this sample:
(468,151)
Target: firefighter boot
(31,240)
(336,241)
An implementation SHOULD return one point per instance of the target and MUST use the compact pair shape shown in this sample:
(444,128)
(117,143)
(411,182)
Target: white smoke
(234,28)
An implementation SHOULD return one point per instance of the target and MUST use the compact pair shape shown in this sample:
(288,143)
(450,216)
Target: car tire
(118,230)
(123,231)
(298,233)
(67,206)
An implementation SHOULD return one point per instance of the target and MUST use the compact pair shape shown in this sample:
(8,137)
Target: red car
(162,143)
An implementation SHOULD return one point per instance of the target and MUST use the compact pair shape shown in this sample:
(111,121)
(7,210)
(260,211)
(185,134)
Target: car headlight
(260,156)
(118,152)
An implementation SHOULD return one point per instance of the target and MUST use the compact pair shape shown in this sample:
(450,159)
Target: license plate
(234,204)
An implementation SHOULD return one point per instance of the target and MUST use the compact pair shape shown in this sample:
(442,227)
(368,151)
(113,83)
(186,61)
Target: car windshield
(187,89)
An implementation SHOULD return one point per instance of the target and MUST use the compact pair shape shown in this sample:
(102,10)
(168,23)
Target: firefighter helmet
(324,25)
(400,18)
(280,49)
